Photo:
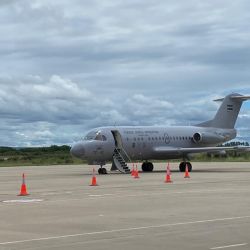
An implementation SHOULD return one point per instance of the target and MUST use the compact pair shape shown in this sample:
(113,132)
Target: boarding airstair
(120,157)
(120,162)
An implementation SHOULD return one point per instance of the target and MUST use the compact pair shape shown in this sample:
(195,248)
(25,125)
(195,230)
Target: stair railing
(123,154)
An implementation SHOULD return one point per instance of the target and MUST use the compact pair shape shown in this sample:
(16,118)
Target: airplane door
(118,138)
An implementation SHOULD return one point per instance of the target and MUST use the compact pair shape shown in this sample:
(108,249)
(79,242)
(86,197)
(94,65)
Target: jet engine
(207,138)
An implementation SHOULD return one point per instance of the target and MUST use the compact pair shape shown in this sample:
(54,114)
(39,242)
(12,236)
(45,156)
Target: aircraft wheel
(182,166)
(102,171)
(144,166)
(189,167)
(147,167)
(150,167)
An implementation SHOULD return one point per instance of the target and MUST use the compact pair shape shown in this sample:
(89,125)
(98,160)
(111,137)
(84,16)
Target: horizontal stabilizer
(238,97)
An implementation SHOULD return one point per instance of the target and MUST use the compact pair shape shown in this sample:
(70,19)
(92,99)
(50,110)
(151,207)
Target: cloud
(69,66)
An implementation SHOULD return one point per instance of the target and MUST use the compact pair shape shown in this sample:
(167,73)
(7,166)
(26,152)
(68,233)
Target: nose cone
(78,150)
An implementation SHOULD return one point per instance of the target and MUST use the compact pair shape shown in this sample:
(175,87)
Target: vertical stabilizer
(227,114)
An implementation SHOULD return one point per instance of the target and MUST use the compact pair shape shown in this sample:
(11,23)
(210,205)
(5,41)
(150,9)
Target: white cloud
(60,88)
(80,64)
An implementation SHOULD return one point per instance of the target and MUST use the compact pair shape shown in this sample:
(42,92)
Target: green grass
(54,155)
(60,155)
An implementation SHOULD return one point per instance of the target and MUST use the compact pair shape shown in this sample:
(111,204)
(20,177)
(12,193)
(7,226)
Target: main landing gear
(147,166)
(183,164)
(102,170)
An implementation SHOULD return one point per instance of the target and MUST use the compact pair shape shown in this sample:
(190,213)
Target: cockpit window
(90,136)
(95,135)
(98,136)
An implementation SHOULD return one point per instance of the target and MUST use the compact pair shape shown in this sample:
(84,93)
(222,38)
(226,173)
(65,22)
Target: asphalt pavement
(210,210)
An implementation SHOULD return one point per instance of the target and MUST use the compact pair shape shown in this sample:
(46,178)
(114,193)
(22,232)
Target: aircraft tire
(182,166)
(189,167)
(151,167)
(147,167)
(102,171)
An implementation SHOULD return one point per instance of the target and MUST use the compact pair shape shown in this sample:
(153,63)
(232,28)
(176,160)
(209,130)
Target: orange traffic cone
(23,191)
(186,172)
(133,170)
(168,175)
(94,182)
(136,174)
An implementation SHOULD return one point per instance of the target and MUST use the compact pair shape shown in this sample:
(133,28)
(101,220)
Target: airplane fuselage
(141,143)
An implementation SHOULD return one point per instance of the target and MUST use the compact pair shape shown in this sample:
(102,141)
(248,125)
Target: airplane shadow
(222,171)
(229,170)
(205,171)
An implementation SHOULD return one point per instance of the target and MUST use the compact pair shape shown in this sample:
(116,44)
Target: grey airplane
(123,144)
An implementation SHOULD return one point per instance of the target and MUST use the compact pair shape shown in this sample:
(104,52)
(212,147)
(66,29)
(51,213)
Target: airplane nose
(78,150)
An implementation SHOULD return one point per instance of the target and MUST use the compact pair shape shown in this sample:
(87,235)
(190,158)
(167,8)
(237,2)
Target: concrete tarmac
(211,210)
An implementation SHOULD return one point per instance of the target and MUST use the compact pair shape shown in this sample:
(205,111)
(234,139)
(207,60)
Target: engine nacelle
(207,138)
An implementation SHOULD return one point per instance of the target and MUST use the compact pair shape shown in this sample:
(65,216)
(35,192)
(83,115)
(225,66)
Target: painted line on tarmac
(229,246)
(168,193)
(125,230)
(122,195)
(23,201)
(99,195)
(56,193)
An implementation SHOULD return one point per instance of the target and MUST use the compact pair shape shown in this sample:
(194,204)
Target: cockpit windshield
(95,135)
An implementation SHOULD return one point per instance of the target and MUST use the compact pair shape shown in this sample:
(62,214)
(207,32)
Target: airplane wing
(181,151)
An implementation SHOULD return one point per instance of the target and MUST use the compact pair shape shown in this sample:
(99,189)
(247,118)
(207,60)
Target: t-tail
(228,112)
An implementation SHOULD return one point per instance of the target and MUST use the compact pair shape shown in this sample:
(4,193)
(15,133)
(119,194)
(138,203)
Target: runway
(211,210)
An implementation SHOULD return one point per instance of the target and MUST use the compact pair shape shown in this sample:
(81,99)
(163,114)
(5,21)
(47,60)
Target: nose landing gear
(102,170)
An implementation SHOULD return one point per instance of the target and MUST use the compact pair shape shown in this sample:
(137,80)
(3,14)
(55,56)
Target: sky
(69,66)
